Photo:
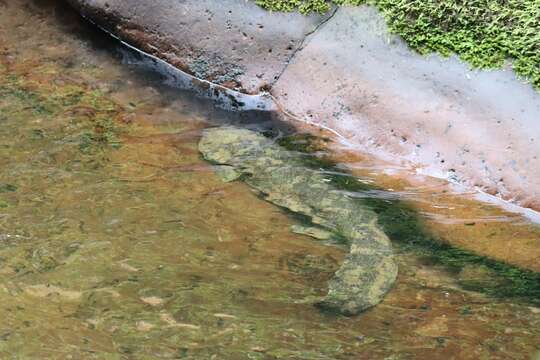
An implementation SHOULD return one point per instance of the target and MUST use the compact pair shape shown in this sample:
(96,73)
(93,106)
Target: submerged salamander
(369,270)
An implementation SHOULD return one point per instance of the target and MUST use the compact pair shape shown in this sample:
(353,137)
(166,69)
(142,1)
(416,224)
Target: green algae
(89,114)
(485,33)
(5,188)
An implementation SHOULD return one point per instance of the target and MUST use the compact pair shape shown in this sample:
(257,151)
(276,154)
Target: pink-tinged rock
(230,42)
(481,128)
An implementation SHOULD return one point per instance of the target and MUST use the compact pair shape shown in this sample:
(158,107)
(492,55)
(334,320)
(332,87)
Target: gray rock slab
(229,42)
(481,128)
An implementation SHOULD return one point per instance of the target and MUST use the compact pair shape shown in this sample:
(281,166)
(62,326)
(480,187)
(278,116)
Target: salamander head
(231,146)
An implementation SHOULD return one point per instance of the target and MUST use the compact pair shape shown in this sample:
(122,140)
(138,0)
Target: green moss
(304,6)
(484,33)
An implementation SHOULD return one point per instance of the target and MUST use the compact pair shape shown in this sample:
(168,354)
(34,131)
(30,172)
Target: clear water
(117,241)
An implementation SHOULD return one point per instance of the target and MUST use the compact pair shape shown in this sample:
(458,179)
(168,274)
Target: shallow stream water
(117,241)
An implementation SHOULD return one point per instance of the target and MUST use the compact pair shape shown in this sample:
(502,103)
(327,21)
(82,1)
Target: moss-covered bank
(484,33)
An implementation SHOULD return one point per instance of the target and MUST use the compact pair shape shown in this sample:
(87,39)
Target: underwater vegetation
(485,33)
(91,126)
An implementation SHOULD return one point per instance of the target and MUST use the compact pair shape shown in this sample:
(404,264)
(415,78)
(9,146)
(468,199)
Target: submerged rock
(369,269)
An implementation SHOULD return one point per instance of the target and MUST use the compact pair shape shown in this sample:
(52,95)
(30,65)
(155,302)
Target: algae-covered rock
(369,269)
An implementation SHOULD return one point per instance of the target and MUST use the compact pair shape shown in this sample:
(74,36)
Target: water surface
(117,241)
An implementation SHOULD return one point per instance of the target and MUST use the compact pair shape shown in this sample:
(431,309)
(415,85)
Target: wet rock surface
(369,270)
(479,128)
(344,71)
(230,42)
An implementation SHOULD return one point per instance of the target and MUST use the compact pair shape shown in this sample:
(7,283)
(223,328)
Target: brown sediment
(172,139)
